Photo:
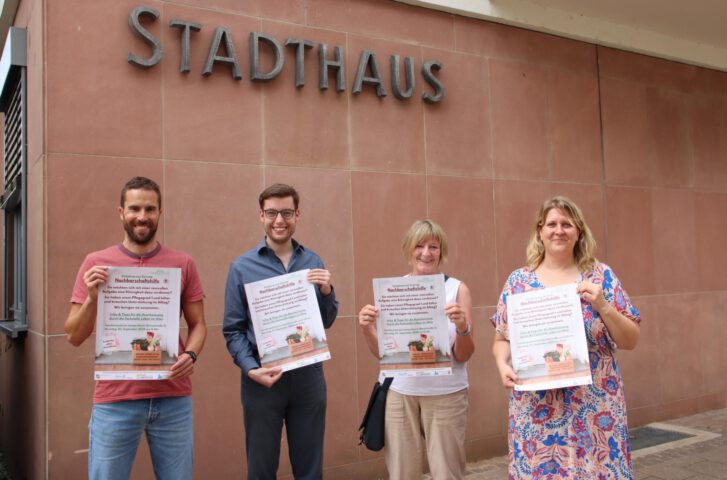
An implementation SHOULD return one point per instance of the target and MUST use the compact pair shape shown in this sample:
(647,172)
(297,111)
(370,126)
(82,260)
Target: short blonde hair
(585,247)
(420,231)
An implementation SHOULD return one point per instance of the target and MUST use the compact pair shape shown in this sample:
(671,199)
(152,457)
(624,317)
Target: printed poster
(287,321)
(548,339)
(137,323)
(412,329)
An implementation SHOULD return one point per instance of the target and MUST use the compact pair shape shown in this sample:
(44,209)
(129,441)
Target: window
(13,200)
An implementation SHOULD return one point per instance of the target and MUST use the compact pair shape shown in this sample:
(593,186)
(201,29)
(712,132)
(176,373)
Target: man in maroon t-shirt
(123,409)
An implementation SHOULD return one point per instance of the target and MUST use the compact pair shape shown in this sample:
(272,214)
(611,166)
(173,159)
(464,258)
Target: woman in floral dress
(575,433)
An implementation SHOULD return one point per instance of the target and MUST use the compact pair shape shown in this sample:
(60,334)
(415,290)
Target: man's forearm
(196,338)
(80,322)
(197,329)
(238,345)
(328,306)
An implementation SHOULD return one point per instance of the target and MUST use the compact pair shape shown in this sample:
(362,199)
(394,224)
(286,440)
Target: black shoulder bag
(372,425)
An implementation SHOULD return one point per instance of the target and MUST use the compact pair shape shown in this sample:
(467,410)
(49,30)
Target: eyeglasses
(272,214)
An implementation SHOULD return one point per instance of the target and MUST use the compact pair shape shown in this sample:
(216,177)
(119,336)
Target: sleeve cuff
(248,363)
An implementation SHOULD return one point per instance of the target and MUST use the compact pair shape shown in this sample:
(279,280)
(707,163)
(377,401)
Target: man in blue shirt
(269,396)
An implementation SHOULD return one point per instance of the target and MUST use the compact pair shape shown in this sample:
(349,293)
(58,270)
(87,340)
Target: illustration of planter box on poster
(146,351)
(137,324)
(287,321)
(412,329)
(559,360)
(300,341)
(548,339)
(422,350)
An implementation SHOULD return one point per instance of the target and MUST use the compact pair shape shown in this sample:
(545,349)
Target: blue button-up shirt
(257,264)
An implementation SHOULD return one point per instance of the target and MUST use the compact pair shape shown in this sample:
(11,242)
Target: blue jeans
(115,430)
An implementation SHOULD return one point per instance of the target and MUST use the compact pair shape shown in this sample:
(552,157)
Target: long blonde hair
(585,247)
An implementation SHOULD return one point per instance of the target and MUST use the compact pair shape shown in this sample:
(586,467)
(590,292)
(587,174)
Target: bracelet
(466,332)
(192,355)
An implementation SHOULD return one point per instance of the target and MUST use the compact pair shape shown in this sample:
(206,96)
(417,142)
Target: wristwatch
(193,355)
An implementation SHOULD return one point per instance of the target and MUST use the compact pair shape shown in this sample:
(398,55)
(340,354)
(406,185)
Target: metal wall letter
(141,32)
(324,64)
(429,77)
(368,58)
(255,74)
(408,73)
(186,28)
(222,50)
(221,33)
(299,58)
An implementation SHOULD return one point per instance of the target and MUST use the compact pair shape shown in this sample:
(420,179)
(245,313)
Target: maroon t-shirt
(108,391)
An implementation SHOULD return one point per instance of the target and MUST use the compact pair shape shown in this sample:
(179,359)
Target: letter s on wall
(144,34)
(429,77)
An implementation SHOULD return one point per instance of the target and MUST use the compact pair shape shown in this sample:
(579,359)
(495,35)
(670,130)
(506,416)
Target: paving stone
(717,470)
(669,472)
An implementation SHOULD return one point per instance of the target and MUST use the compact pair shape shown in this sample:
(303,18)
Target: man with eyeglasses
(269,396)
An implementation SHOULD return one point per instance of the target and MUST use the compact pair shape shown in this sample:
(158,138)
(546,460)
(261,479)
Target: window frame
(13,104)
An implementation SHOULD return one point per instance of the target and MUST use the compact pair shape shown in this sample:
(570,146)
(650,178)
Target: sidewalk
(698,458)
(689,459)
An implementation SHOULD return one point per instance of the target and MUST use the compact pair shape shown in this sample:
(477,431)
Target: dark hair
(140,183)
(279,190)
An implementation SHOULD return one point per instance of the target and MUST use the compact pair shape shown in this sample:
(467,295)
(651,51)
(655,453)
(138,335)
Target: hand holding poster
(412,329)
(287,321)
(137,324)
(548,339)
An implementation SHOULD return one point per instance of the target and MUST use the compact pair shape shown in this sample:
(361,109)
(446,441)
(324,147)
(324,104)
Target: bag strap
(387,383)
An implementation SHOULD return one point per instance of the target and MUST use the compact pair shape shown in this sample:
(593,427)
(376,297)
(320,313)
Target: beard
(137,239)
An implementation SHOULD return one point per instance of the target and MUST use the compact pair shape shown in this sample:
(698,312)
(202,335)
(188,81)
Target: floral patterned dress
(574,433)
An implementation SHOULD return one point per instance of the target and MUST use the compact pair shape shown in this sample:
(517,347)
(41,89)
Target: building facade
(215,99)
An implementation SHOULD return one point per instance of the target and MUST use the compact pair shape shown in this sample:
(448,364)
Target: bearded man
(124,409)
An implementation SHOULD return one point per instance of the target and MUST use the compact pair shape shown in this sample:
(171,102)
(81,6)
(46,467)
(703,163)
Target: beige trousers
(436,423)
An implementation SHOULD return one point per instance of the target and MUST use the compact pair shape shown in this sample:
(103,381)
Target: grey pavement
(702,457)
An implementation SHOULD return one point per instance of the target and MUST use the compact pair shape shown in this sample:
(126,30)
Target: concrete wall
(638,143)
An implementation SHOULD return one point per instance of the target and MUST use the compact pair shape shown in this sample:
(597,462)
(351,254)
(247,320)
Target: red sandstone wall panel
(82,217)
(97,103)
(207,211)
(458,130)
(316,132)
(520,121)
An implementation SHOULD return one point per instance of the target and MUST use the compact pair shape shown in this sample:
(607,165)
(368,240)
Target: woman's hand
(456,315)
(507,374)
(593,294)
(501,352)
(367,321)
(623,330)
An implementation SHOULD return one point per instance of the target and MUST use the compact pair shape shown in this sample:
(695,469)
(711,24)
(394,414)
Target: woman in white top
(428,412)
